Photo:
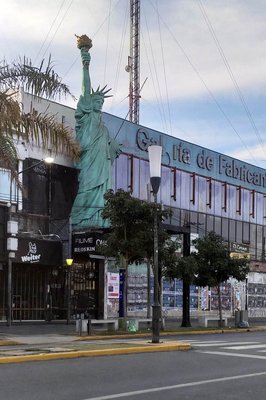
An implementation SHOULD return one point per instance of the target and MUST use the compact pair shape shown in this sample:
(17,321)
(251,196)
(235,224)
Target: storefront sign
(36,251)
(87,242)
(240,255)
(193,158)
(238,247)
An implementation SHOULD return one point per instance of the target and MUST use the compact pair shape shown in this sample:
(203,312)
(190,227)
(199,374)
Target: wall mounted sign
(86,242)
(187,156)
(36,251)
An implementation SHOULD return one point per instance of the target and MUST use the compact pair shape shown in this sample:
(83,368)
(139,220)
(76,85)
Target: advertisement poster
(113,285)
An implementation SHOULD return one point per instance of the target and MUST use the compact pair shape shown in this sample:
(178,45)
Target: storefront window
(185,192)
(194,222)
(194,191)
(246,236)
(225,226)
(259,208)
(176,217)
(253,241)
(5,193)
(232,230)
(175,188)
(202,225)
(224,198)
(210,223)
(144,179)
(252,204)
(239,235)
(259,242)
(166,186)
(217,197)
(232,201)
(218,225)
(245,205)
(135,177)
(202,194)
(122,179)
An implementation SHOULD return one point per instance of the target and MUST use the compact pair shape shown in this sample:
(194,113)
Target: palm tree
(41,128)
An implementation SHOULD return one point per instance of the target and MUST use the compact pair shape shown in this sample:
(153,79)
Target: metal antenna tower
(133,62)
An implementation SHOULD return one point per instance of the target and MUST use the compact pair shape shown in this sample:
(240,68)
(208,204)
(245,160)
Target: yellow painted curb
(151,348)
(170,333)
(8,342)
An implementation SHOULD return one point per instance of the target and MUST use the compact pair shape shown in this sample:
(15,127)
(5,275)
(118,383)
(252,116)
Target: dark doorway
(85,289)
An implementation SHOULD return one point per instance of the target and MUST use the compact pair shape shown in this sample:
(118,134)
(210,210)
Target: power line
(59,25)
(154,76)
(95,33)
(107,41)
(164,69)
(204,83)
(226,63)
(119,60)
(51,27)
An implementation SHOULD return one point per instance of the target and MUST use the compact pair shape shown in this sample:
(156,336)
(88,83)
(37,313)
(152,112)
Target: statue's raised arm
(86,81)
(84,43)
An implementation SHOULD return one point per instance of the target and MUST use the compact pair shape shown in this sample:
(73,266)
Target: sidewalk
(27,341)
(24,342)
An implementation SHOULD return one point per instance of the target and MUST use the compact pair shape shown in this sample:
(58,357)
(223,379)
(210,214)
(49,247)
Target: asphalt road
(223,366)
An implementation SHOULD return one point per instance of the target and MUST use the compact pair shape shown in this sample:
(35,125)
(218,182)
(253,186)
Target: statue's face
(98,102)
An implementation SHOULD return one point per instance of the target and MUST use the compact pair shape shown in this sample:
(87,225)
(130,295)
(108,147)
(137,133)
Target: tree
(215,266)
(184,268)
(42,128)
(131,230)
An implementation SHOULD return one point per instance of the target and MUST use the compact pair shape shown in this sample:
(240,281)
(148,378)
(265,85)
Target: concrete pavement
(27,341)
(48,341)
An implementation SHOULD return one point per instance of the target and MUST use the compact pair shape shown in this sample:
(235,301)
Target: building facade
(205,190)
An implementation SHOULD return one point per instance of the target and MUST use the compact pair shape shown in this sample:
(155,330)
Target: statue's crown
(101,92)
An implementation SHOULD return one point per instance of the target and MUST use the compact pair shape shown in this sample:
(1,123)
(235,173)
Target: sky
(202,62)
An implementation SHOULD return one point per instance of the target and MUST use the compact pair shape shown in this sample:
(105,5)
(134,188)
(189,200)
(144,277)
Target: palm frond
(40,81)
(46,132)
(10,114)
(8,157)
(41,129)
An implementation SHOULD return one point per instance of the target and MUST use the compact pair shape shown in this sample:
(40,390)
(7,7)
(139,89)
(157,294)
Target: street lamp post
(47,160)
(155,157)
(246,301)
(69,262)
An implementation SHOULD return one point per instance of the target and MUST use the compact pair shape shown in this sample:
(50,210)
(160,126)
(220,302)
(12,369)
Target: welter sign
(36,251)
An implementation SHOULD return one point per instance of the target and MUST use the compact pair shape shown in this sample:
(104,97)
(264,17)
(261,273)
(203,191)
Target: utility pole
(133,61)
(186,285)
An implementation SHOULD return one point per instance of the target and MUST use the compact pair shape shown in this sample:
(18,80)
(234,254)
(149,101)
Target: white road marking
(205,341)
(235,347)
(246,347)
(223,353)
(172,387)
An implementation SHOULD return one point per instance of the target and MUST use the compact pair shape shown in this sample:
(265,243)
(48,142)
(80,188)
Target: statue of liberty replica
(98,149)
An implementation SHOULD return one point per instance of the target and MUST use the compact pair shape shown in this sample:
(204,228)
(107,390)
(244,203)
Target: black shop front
(87,274)
(38,280)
